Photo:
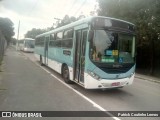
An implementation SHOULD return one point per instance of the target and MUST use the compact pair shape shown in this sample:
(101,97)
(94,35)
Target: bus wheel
(65,74)
(41,63)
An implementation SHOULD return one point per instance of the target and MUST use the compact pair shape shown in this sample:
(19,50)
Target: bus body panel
(39,50)
(92,68)
(55,65)
(28,49)
(58,55)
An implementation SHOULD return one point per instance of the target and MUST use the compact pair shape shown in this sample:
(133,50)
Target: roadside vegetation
(6,34)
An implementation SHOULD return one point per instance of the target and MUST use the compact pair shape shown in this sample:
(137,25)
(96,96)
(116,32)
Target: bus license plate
(116,84)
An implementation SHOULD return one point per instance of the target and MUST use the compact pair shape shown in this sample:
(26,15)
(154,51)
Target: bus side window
(52,38)
(59,36)
(67,41)
(84,42)
(37,41)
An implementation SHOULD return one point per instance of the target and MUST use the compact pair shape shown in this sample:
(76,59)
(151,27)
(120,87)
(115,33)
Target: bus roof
(79,22)
(27,39)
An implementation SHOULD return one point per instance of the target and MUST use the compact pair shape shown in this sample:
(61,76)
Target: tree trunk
(152,57)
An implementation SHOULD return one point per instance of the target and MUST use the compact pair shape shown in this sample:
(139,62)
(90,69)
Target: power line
(67,13)
(71,7)
(65,4)
(29,13)
(80,7)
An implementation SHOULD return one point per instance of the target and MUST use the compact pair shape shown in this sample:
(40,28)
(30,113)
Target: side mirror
(90,35)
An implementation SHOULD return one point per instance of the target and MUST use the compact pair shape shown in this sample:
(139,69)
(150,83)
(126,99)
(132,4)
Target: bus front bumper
(92,83)
(28,49)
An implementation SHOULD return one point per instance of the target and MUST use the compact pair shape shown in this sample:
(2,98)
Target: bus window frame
(68,38)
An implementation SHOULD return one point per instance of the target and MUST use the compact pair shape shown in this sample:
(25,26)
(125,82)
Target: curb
(148,79)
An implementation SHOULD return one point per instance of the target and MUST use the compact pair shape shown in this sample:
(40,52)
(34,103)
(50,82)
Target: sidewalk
(146,77)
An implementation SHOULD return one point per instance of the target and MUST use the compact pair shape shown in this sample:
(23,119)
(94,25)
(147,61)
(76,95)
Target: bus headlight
(94,75)
(131,75)
(25,48)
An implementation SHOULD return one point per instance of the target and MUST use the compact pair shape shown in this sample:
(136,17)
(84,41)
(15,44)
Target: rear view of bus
(111,61)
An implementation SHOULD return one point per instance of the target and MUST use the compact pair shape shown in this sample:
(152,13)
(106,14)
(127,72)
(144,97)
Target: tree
(34,32)
(81,17)
(14,41)
(6,27)
(66,20)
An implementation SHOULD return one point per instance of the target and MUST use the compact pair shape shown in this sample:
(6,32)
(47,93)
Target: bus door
(46,50)
(81,38)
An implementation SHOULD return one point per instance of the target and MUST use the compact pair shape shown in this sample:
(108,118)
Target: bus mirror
(90,35)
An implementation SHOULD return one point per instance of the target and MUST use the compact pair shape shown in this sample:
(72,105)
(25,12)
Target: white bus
(26,44)
(95,52)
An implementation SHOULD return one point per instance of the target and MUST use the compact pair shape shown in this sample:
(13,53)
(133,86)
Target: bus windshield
(112,47)
(29,43)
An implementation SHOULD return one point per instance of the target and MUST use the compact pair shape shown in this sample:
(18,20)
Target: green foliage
(145,14)
(14,41)
(34,32)
(66,20)
(6,27)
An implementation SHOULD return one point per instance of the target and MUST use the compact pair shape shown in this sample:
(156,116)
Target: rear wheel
(65,74)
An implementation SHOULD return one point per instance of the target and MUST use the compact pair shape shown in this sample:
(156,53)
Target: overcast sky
(41,13)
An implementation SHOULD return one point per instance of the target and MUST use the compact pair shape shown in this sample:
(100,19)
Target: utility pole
(17,35)
(57,21)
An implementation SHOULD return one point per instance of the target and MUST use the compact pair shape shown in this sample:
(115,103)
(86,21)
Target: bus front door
(80,48)
(46,50)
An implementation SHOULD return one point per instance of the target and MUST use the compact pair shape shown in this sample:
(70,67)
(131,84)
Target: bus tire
(41,62)
(65,74)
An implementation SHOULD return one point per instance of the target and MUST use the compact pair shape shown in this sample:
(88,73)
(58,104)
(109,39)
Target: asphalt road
(27,86)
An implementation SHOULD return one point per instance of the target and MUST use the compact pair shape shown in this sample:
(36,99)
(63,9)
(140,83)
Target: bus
(26,44)
(95,52)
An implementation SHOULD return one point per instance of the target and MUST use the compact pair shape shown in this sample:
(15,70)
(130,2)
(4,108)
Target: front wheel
(65,74)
